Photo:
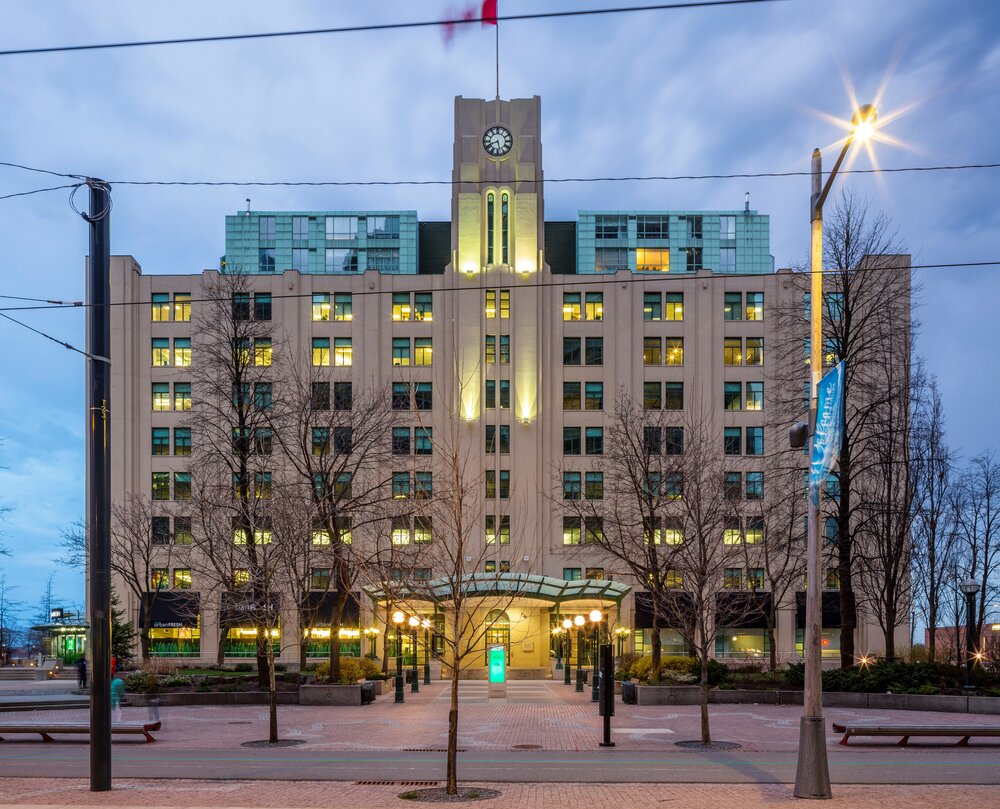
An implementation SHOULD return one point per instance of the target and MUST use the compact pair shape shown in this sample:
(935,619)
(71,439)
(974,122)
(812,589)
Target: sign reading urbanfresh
(498,664)
(829,428)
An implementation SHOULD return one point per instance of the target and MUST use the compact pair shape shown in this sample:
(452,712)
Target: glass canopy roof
(522,585)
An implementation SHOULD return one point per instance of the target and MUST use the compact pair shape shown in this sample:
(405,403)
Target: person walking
(81,672)
(117,693)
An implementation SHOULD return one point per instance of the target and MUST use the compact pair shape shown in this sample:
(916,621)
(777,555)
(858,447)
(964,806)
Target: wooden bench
(966,732)
(46,731)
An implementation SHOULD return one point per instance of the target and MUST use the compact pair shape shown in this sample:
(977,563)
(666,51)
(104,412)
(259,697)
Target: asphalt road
(888,765)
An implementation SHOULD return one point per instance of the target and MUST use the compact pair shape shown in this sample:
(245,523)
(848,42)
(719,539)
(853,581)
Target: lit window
(320,307)
(496,534)
(182,307)
(732,351)
(400,485)
(755,306)
(343,351)
(497,303)
(595,306)
(673,532)
(241,577)
(161,351)
(674,308)
(161,396)
(423,306)
(571,309)
(161,306)
(673,579)
(182,396)
(423,530)
(732,533)
(161,486)
(159,578)
(343,307)
(652,259)
(182,352)
(400,530)
(400,350)
(571,536)
(182,578)
(755,351)
(732,307)
(755,395)
(673,350)
(262,352)
(651,352)
(401,306)
(423,352)
(755,530)
(320,351)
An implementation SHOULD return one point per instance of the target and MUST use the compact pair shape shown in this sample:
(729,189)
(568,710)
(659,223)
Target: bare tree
(866,298)
(977,514)
(10,611)
(73,545)
(934,535)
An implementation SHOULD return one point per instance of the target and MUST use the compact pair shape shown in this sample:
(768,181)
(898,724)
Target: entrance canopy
(521,585)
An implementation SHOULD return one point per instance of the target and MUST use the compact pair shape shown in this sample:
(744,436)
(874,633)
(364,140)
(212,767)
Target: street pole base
(812,773)
(605,744)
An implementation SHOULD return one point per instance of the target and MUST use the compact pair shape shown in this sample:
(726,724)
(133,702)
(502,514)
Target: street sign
(829,428)
(498,664)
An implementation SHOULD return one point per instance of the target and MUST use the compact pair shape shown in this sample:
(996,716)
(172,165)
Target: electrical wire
(63,343)
(42,171)
(39,191)
(385,26)
(576,280)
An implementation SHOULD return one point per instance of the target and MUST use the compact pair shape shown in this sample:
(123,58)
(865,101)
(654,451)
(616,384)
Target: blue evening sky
(697,91)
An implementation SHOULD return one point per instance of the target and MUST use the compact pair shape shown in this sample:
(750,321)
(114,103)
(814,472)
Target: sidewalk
(306,794)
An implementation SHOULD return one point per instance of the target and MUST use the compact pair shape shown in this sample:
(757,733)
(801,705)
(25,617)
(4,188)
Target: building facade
(521,330)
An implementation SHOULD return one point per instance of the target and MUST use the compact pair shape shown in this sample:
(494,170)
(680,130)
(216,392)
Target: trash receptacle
(367,693)
(629,694)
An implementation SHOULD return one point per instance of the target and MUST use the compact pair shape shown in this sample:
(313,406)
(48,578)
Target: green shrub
(142,682)
(280,667)
(795,674)
(625,663)
(243,667)
(677,670)
(352,669)
(175,682)
(882,676)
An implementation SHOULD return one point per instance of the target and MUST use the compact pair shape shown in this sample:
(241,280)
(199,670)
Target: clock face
(497,141)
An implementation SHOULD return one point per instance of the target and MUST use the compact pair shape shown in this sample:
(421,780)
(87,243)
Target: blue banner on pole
(829,428)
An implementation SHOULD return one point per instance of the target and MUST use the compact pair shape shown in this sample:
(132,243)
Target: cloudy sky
(715,90)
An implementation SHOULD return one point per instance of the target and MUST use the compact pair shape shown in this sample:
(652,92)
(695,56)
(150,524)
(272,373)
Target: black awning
(676,607)
(742,609)
(318,610)
(242,608)
(171,609)
(831,610)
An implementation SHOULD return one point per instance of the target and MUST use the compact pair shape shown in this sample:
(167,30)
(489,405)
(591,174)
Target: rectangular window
(265,228)
(732,306)
(694,224)
(182,396)
(571,573)
(319,578)
(423,396)
(262,306)
(755,530)
(182,578)
(594,354)
(321,440)
(241,306)
(732,396)
(594,437)
(341,259)
(161,441)
(343,352)
(593,396)
(732,578)
(652,306)
(571,441)
(673,441)
(182,485)
(343,307)
(755,395)
(595,306)
(732,351)
(343,396)
(182,307)
(593,485)
(423,306)
(652,259)
(265,259)
(423,531)
(159,578)
(383,227)
(652,227)
(505,349)
(262,355)
(423,485)
(755,351)
(160,306)
(161,486)
(571,485)
(400,395)
(400,485)
(300,228)
(673,350)
(673,532)
(491,439)
(497,303)
(594,573)
(571,536)
(400,530)
(727,227)
(571,351)
(495,534)
(320,351)
(610,259)
(674,306)
(732,533)
(400,350)
(341,227)
(610,227)
(182,441)
(492,489)
(320,396)
(401,306)
(673,485)
(263,398)
(652,440)
(755,485)
(491,393)
(182,531)
(593,528)
(423,443)
(727,259)
(571,309)
(673,396)
(652,396)
(571,396)
(732,440)
(320,307)
(732,484)
(400,440)
(651,351)
(161,351)
(161,396)
(694,259)
(755,306)
(755,441)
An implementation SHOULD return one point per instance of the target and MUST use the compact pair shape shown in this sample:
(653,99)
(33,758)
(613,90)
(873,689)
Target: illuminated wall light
(525,266)
(470,268)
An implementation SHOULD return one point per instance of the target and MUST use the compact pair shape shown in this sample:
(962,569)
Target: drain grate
(397,783)
(527,747)
(431,750)
(239,723)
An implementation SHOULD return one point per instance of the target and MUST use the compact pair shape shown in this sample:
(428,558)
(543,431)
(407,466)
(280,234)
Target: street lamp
(426,624)
(621,633)
(812,774)
(579,621)
(397,619)
(567,626)
(596,616)
(371,632)
(557,634)
(970,587)
(414,622)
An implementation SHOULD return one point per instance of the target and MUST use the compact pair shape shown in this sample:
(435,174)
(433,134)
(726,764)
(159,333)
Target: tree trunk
(272,700)
(889,633)
(220,651)
(303,651)
(773,651)
(845,560)
(657,652)
(144,643)
(263,655)
(706,733)
(931,633)
(452,787)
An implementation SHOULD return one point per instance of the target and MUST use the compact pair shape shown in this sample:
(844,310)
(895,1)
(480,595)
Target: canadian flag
(488,15)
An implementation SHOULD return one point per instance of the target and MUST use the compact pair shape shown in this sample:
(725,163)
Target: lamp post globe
(970,587)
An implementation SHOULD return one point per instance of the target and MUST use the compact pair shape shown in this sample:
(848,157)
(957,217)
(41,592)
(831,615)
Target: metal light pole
(557,634)
(812,774)
(595,618)
(567,672)
(426,624)
(970,587)
(579,621)
(414,622)
(397,619)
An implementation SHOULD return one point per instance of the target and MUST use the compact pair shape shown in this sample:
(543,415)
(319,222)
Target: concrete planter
(380,686)
(214,698)
(739,697)
(669,694)
(984,705)
(330,694)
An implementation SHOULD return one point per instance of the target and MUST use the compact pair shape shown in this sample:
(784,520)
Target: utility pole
(99,479)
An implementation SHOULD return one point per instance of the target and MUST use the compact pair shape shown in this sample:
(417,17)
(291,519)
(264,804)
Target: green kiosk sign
(498,664)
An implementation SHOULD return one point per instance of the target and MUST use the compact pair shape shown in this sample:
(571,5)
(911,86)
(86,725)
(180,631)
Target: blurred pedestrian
(81,672)
(154,709)
(117,693)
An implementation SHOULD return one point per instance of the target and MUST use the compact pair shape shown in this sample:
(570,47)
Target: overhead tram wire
(63,343)
(578,281)
(39,191)
(377,27)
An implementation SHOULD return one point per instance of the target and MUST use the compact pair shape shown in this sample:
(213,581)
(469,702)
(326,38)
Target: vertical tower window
(504,229)
(490,203)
